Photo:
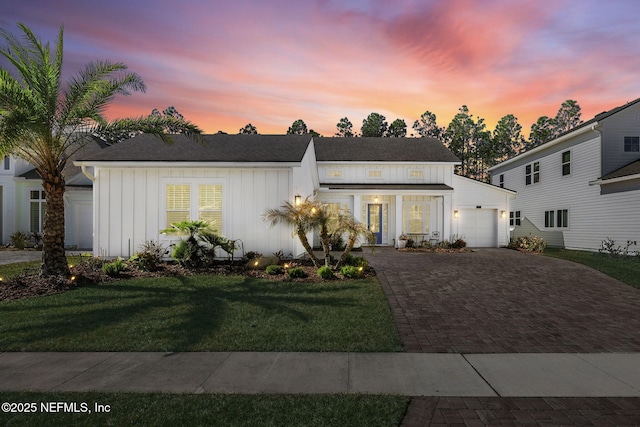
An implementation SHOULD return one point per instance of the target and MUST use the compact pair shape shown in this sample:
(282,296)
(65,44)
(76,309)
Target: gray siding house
(582,187)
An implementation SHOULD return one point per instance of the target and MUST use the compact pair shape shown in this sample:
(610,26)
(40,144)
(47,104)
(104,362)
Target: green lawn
(203,313)
(211,410)
(626,270)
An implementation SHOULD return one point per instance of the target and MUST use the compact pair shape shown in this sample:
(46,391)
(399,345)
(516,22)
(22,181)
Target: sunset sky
(223,64)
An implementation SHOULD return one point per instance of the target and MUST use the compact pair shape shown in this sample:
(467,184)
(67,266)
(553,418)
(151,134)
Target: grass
(203,313)
(626,270)
(212,410)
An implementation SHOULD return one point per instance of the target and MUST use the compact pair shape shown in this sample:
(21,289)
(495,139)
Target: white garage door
(479,227)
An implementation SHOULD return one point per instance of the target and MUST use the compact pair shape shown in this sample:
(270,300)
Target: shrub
(149,255)
(114,268)
(528,243)
(252,255)
(351,271)
(296,272)
(325,272)
(91,263)
(273,269)
(186,254)
(357,261)
(19,240)
(608,247)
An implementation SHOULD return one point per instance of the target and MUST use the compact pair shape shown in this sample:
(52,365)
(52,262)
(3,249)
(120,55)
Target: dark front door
(374,217)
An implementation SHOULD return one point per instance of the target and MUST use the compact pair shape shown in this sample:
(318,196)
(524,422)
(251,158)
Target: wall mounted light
(455,214)
(375,199)
(503,214)
(297,199)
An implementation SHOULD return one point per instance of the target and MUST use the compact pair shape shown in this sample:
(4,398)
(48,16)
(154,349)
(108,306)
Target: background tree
(248,129)
(44,121)
(298,127)
(374,125)
(459,138)
(345,128)
(541,131)
(568,117)
(427,126)
(507,140)
(397,128)
(170,111)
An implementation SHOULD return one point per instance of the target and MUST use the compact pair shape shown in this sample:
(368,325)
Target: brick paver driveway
(504,301)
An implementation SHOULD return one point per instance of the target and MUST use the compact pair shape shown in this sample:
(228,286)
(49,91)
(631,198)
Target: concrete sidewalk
(410,374)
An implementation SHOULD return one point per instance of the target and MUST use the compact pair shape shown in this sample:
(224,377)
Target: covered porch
(420,211)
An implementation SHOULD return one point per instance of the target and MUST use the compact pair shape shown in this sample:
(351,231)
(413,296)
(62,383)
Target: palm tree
(300,217)
(44,121)
(355,229)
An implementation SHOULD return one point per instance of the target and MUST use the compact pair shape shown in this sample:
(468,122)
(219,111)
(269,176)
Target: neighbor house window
(501,180)
(532,173)
(7,163)
(631,144)
(548,218)
(562,218)
(566,163)
(37,209)
(514,218)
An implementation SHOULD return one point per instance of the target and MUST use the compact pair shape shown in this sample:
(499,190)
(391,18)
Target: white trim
(546,145)
(613,180)
(190,165)
(383,162)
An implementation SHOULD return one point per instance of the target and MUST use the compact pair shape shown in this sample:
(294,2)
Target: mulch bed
(436,250)
(30,284)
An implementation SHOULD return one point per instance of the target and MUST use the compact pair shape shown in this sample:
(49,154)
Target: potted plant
(402,241)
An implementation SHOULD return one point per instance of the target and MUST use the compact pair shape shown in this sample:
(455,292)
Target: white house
(582,187)
(394,185)
(22,200)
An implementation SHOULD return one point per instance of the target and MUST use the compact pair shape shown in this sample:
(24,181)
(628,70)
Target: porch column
(447,217)
(399,229)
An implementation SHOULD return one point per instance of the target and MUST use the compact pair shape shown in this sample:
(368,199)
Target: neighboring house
(582,187)
(394,185)
(23,204)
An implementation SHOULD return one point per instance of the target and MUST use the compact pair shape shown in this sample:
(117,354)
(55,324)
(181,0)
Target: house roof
(632,168)
(93,145)
(382,149)
(212,148)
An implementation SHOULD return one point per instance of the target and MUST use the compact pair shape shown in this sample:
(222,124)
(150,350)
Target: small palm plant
(348,224)
(201,241)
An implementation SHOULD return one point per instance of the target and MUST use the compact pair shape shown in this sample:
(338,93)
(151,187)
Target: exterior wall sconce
(503,214)
(375,199)
(455,214)
(297,199)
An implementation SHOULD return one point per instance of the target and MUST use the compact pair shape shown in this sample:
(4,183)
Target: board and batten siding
(132,202)
(359,173)
(470,194)
(592,217)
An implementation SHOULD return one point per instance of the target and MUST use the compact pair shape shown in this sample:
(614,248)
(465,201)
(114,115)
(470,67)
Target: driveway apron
(504,301)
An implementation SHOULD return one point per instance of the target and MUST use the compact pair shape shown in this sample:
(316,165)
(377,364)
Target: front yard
(203,313)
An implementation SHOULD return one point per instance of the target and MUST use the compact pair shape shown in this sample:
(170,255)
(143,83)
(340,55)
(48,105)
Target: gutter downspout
(87,174)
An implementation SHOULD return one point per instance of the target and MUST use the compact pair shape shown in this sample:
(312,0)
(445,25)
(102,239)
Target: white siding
(129,206)
(469,194)
(358,173)
(592,217)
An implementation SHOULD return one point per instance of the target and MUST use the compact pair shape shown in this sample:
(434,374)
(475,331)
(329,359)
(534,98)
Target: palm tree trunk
(351,242)
(326,244)
(54,260)
(305,243)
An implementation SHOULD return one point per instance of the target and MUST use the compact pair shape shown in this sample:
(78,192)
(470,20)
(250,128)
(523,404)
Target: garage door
(479,227)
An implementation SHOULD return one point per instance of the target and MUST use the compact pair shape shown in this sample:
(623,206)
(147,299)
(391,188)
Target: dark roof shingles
(212,148)
(632,168)
(382,149)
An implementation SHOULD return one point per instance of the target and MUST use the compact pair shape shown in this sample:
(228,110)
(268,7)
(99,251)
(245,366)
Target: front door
(374,218)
